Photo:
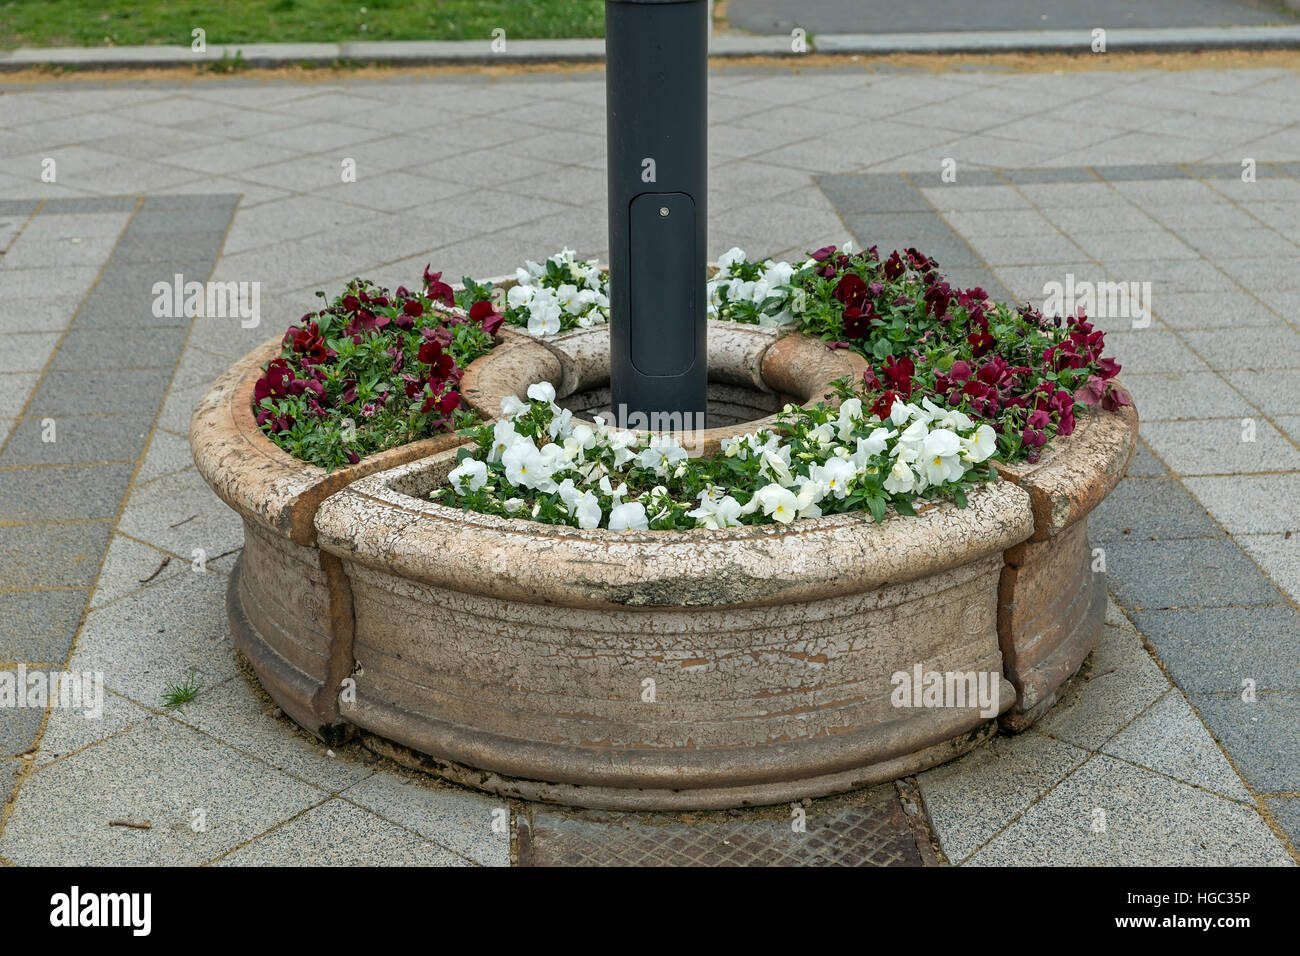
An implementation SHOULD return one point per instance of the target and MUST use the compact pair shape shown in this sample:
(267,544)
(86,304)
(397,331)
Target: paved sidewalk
(1152,757)
(926,16)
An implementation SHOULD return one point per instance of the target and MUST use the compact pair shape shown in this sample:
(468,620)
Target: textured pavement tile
(168,453)
(459,820)
(1215,649)
(339,834)
(124,309)
(14,390)
(8,777)
(1212,310)
(183,499)
(19,728)
(70,730)
(77,440)
(1196,572)
(39,625)
(1145,464)
(971,799)
(1142,509)
(1273,391)
(52,555)
(159,771)
(1170,739)
(1286,811)
(1148,819)
(63,492)
(1262,736)
(243,717)
(1124,682)
(26,352)
(1218,446)
(1152,350)
(1165,396)
(119,348)
(109,391)
(1251,348)
(126,565)
(1251,505)
(1279,557)
(158,637)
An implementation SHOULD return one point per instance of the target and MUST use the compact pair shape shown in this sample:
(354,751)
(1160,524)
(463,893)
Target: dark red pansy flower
(851,290)
(856,323)
(960,371)
(898,373)
(894,266)
(436,289)
(884,403)
(1033,438)
(275,382)
(413,307)
(351,303)
(824,253)
(429,352)
(1115,399)
(349,392)
(486,314)
(981,342)
(353,457)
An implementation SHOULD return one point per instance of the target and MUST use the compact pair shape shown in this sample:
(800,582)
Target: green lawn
(137,22)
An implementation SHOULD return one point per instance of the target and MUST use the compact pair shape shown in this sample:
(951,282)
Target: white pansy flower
(901,478)
(628,517)
(541,392)
(520,295)
(663,453)
(730,258)
(939,457)
(981,445)
(504,437)
(587,511)
(470,474)
(835,476)
(543,315)
(607,488)
(716,512)
(779,504)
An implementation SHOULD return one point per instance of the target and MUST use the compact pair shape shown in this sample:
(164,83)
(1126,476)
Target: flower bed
(506,644)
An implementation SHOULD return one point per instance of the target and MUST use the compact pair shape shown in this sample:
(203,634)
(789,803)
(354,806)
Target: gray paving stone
(1152,350)
(159,771)
(1286,811)
(69,730)
(182,499)
(1150,509)
(84,348)
(108,391)
(1262,737)
(127,564)
(1214,649)
(1210,310)
(1248,348)
(971,799)
(52,555)
(242,716)
(65,207)
(14,390)
(1273,392)
(78,440)
(1118,681)
(1145,464)
(39,625)
(1273,272)
(1252,504)
(1148,819)
(160,636)
(1199,572)
(459,820)
(8,777)
(1166,396)
(155,247)
(119,311)
(138,278)
(340,834)
(1170,739)
(168,454)
(19,728)
(1217,446)
(63,492)
(872,194)
(26,352)
(1279,557)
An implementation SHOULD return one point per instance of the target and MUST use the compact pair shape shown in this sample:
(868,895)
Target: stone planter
(650,669)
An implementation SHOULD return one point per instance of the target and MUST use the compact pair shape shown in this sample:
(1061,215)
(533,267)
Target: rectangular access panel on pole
(656,68)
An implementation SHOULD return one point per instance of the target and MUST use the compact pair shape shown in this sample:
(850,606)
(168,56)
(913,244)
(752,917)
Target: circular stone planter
(651,670)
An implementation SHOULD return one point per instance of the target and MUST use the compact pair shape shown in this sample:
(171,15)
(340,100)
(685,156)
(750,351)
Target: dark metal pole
(656,76)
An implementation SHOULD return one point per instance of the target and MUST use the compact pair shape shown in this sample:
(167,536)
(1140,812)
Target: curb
(476,52)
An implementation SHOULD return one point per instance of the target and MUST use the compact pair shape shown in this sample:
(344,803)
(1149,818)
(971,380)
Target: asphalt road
(929,16)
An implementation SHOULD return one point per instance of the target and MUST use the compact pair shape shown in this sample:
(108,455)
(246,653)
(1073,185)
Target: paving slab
(1278,555)
(1263,736)
(39,625)
(1116,682)
(971,799)
(1150,509)
(1217,648)
(159,772)
(52,555)
(460,820)
(337,833)
(1219,446)
(1109,812)
(1250,504)
(77,439)
(1169,738)
(68,730)
(1190,572)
